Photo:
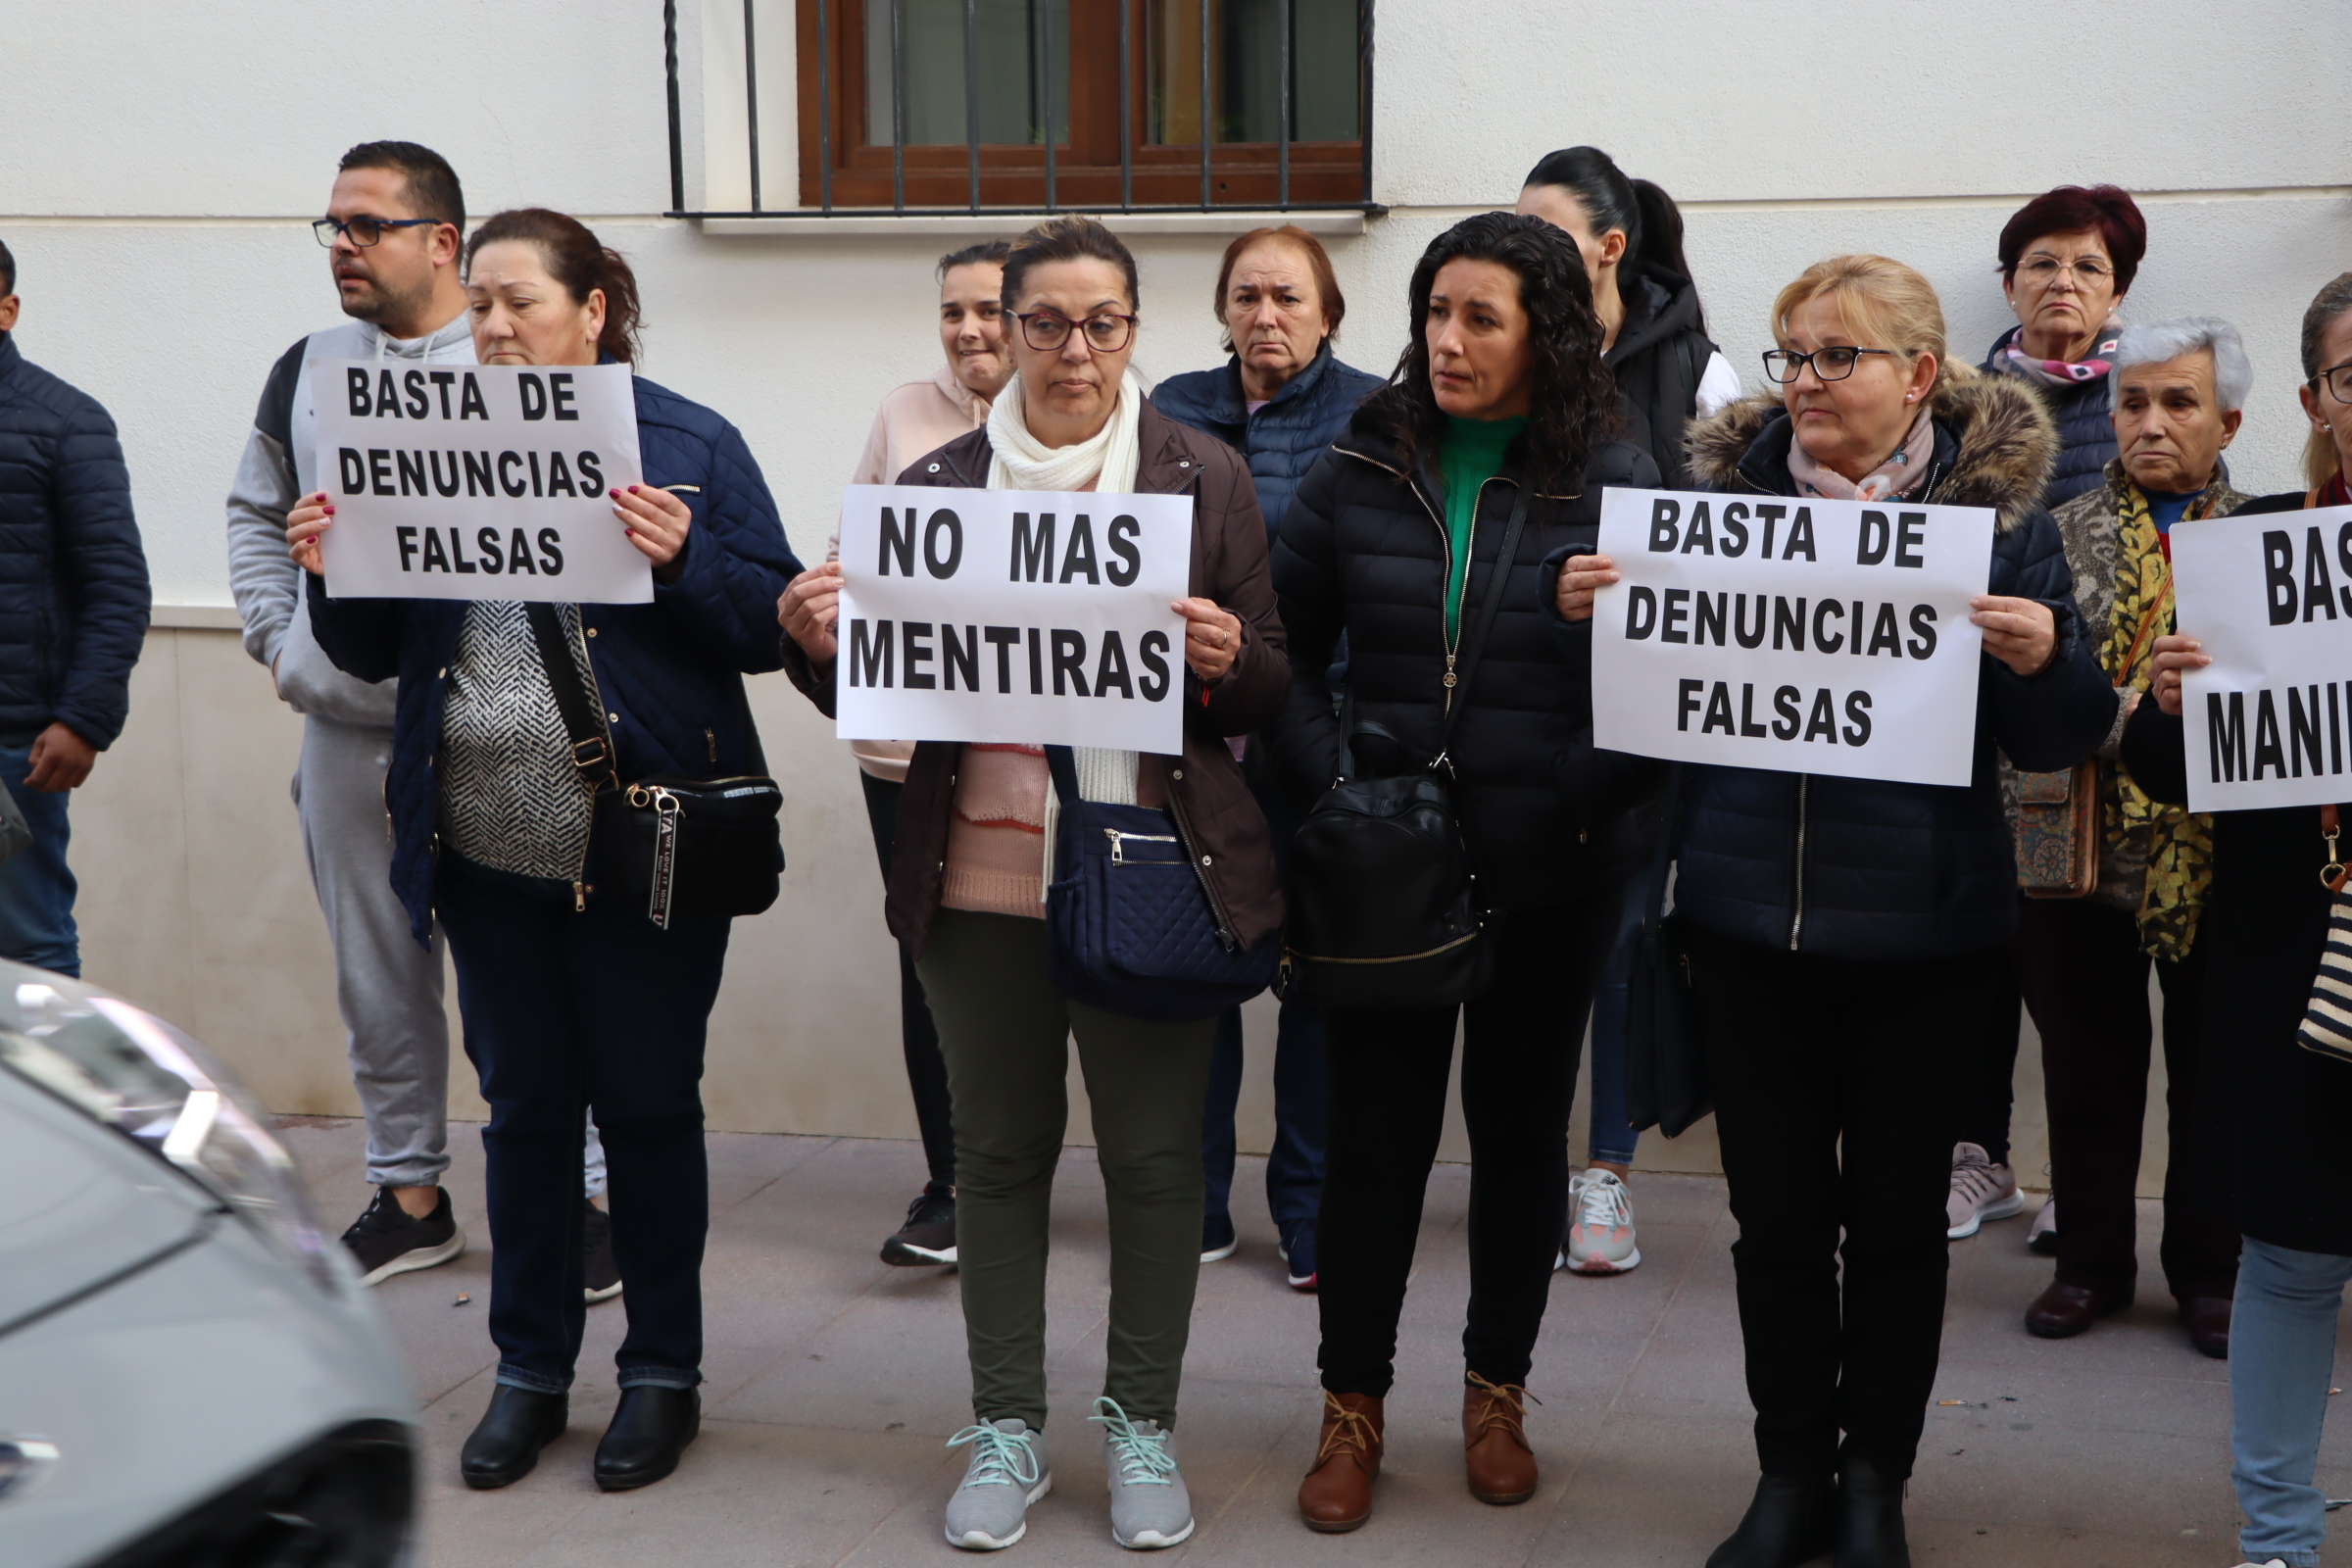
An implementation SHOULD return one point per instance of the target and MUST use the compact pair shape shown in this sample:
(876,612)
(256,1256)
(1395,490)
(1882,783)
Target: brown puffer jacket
(1202,789)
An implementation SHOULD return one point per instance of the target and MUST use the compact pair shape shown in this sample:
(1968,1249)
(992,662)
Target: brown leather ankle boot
(1337,1493)
(1501,1466)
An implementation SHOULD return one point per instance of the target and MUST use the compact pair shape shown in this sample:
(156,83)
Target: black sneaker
(1217,1239)
(386,1239)
(600,1271)
(929,1234)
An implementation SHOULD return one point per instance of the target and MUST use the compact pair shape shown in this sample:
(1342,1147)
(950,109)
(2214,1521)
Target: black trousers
(918,1036)
(2086,980)
(608,1012)
(1388,1071)
(1985,1122)
(1837,1087)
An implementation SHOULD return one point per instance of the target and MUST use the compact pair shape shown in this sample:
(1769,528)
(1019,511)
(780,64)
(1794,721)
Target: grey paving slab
(834,1381)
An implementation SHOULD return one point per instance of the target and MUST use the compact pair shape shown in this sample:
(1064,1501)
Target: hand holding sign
(2021,633)
(809,611)
(2176,657)
(1212,637)
(1581,577)
(656,523)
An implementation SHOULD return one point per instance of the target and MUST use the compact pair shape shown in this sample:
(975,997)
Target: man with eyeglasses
(393,233)
(73,604)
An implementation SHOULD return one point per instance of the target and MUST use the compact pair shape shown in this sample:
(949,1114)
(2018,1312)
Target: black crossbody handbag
(668,845)
(1384,907)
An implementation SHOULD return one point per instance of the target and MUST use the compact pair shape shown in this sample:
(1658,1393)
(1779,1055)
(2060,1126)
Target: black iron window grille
(948,107)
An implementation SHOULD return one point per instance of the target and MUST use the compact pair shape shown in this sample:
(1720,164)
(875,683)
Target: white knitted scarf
(1108,459)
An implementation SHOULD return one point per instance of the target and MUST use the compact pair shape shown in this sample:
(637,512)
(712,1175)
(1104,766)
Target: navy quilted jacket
(2085,420)
(74,595)
(1863,869)
(670,673)
(1280,441)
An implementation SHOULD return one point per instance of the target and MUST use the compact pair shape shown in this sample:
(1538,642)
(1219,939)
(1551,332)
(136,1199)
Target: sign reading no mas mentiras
(1806,636)
(484,481)
(2270,599)
(1019,617)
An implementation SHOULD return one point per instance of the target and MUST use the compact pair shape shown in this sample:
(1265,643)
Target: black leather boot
(1788,1524)
(1870,1517)
(506,1443)
(649,1430)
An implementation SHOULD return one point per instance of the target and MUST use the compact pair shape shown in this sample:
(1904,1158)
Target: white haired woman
(2083,963)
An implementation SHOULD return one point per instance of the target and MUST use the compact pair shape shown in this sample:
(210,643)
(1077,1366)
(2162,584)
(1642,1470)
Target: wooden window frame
(1086,172)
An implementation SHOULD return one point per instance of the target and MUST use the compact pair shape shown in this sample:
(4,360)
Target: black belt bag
(1384,907)
(668,845)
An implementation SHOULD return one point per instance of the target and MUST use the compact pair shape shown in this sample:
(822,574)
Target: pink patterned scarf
(1898,475)
(2008,357)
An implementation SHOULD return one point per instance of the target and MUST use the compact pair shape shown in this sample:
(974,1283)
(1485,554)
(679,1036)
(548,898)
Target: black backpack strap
(1498,583)
(1063,763)
(591,747)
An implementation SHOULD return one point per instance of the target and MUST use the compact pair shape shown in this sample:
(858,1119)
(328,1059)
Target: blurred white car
(191,1373)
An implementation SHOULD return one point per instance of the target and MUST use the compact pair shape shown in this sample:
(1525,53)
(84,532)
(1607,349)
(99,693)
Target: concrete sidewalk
(833,1381)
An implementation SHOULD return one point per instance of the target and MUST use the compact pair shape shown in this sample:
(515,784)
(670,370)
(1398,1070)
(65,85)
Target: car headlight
(137,1074)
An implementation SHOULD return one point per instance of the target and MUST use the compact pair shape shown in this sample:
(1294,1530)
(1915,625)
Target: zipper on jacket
(1796,921)
(596,698)
(1454,639)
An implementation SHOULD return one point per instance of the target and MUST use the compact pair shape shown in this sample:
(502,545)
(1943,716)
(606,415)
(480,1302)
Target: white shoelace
(1973,1179)
(1142,1456)
(999,1459)
(1603,1203)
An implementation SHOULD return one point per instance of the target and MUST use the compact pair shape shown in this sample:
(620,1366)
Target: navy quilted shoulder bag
(1129,925)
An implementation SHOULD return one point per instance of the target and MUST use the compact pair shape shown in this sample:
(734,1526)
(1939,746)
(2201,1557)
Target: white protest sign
(1805,636)
(485,481)
(2270,599)
(1024,617)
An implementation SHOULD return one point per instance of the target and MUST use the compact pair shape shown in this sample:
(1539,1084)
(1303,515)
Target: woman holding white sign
(1844,935)
(1423,536)
(573,997)
(2276,1094)
(967,897)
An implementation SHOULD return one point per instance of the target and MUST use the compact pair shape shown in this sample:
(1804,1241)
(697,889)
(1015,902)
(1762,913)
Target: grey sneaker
(1149,1508)
(1008,1472)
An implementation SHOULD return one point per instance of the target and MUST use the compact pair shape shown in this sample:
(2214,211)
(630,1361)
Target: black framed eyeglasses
(1783,365)
(1107,332)
(363,229)
(2337,379)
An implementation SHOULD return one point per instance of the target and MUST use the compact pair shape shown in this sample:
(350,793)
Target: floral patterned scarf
(2179,841)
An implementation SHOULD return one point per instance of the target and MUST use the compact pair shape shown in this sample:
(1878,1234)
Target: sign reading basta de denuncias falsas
(1018,616)
(478,481)
(2270,599)
(1803,635)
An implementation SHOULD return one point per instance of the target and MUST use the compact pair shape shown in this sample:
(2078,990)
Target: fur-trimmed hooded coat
(1860,869)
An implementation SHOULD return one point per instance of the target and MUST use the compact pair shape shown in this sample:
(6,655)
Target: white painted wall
(161,161)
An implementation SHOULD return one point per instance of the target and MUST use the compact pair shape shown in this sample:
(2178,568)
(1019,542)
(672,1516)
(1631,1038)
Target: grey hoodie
(274,473)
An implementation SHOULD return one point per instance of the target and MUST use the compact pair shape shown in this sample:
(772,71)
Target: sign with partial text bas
(2270,599)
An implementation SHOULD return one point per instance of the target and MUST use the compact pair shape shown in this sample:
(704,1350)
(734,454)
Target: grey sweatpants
(387,985)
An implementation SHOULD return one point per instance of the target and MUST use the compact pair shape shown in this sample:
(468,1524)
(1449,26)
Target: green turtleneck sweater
(1470,455)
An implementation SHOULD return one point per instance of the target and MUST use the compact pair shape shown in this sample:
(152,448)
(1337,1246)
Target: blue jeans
(37,888)
(1611,1138)
(2282,1352)
(1301,1082)
(603,1012)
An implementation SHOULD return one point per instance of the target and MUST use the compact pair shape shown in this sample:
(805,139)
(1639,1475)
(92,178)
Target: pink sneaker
(1600,1226)
(1981,1191)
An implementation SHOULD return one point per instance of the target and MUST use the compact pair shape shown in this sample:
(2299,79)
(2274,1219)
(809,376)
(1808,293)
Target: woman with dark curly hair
(1500,404)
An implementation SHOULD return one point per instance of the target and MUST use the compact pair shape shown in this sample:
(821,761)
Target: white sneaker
(1150,1505)
(989,1511)
(2274,1562)
(1601,1225)
(1981,1191)
(2042,1236)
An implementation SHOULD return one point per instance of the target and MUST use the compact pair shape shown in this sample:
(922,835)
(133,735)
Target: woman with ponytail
(1653,335)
